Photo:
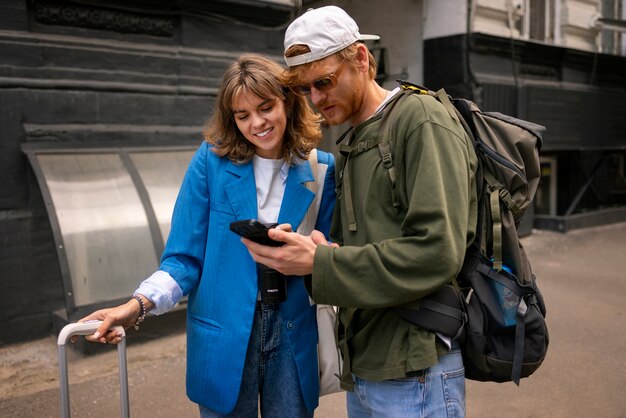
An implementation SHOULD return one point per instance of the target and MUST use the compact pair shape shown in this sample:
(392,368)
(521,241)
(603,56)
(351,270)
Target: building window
(538,20)
(533,19)
(610,39)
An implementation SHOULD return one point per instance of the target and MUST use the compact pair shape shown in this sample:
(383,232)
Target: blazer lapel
(297,198)
(241,191)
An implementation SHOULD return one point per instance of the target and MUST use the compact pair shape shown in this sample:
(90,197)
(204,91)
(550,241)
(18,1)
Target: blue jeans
(438,393)
(270,376)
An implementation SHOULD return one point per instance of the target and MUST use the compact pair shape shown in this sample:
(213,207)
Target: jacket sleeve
(435,186)
(185,249)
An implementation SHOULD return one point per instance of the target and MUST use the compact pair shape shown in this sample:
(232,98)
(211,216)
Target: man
(386,255)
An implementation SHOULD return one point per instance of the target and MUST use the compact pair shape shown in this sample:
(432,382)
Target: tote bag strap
(308,223)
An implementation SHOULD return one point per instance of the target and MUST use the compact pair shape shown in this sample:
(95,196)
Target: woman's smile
(264,133)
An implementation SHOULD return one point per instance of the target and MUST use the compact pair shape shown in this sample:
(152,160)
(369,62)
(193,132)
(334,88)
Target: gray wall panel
(74,82)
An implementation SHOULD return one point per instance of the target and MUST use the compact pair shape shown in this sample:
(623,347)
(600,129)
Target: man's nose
(317,96)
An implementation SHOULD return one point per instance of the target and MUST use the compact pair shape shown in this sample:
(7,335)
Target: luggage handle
(88,328)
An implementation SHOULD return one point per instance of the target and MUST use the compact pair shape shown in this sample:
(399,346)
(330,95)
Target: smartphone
(255,231)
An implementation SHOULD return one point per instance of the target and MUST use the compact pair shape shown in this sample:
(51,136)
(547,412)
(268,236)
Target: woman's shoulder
(207,160)
(206,151)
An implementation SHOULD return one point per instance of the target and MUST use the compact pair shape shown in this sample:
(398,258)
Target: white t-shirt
(270,177)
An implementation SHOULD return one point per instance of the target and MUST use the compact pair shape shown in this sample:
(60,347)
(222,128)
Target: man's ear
(362,58)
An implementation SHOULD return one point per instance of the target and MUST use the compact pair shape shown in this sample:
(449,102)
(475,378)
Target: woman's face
(262,122)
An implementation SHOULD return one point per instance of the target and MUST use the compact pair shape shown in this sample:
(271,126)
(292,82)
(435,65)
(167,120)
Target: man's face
(341,102)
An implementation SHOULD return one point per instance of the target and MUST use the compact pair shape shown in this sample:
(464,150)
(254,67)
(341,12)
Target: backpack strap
(383,144)
(347,380)
(496,219)
(384,147)
(444,99)
(351,151)
(505,195)
(520,331)
(344,175)
(497,193)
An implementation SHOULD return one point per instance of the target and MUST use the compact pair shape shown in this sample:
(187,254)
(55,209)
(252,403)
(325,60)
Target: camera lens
(273,285)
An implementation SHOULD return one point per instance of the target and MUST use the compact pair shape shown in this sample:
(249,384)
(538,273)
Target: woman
(252,165)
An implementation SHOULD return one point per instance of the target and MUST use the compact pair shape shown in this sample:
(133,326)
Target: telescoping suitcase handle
(88,328)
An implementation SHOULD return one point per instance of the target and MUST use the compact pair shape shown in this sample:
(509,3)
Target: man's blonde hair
(295,74)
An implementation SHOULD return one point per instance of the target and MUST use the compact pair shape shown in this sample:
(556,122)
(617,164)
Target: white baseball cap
(324,30)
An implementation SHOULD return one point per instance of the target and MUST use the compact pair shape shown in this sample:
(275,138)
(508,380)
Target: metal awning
(110,211)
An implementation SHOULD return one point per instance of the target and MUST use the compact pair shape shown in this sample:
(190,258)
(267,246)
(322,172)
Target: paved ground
(582,275)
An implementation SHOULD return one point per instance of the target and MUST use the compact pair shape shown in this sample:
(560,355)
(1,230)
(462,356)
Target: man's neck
(373,96)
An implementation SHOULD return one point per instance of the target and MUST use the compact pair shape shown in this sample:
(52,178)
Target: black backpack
(493,308)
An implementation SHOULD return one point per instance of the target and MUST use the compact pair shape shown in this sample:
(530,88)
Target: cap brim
(369,38)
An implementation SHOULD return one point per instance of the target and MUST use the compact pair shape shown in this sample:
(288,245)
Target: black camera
(272,283)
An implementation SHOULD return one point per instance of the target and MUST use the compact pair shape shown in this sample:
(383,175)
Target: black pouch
(506,337)
(442,311)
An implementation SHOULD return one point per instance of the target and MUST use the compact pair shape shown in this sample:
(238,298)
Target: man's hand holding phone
(255,231)
(293,258)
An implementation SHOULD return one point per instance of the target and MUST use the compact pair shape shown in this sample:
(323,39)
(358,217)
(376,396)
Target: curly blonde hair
(265,78)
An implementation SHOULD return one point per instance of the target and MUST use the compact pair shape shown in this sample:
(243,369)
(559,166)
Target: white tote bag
(328,357)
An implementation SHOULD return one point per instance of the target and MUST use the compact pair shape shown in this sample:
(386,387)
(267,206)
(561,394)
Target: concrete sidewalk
(581,274)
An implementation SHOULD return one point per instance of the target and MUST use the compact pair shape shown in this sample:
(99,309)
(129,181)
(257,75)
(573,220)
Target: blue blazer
(214,268)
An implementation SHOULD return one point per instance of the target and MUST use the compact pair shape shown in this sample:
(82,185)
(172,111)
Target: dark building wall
(124,72)
(554,86)
(445,65)
(580,97)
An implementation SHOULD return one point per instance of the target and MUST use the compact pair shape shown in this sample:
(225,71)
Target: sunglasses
(321,84)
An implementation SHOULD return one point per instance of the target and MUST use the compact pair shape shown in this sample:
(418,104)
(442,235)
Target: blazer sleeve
(184,252)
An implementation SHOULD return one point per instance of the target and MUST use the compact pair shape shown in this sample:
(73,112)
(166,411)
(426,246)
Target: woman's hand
(124,315)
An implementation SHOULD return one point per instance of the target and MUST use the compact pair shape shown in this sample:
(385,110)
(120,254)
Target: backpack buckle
(385,154)
(505,195)
(387,160)
(510,203)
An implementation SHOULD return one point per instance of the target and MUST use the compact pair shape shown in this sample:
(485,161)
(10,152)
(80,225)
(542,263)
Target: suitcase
(87,328)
